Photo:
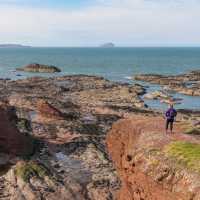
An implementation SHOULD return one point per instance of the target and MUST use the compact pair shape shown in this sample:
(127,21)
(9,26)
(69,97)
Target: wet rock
(157,95)
(171,101)
(164,97)
(39,68)
(188,84)
(61,114)
(69,118)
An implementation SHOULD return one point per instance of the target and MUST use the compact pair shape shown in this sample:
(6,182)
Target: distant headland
(13,46)
(108,45)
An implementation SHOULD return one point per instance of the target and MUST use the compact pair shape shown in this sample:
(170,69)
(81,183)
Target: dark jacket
(171,113)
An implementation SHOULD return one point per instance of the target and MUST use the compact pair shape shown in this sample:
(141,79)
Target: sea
(116,64)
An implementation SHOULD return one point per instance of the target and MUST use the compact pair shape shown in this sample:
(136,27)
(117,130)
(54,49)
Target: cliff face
(153,165)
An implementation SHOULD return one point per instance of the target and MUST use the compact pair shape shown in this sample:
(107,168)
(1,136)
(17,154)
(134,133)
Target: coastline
(67,119)
(149,87)
(116,64)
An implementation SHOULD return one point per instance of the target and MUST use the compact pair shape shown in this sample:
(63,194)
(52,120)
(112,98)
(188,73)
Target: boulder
(11,140)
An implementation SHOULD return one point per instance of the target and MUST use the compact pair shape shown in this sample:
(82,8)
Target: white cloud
(127,22)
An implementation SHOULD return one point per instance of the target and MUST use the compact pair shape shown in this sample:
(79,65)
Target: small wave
(128,77)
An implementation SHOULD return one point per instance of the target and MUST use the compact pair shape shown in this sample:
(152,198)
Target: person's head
(171,105)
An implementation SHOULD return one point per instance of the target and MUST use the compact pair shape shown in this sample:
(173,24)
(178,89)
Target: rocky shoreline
(188,83)
(65,120)
(68,118)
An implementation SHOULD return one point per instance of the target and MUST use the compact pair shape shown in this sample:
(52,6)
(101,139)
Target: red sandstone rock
(46,110)
(11,140)
(145,175)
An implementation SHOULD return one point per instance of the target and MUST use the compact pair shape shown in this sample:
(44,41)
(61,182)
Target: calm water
(117,64)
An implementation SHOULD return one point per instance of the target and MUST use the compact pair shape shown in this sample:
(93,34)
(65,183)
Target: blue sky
(48,3)
(93,22)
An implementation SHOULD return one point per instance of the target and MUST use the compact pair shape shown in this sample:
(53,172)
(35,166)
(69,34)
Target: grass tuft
(26,170)
(186,153)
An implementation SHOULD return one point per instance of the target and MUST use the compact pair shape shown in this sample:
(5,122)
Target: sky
(94,22)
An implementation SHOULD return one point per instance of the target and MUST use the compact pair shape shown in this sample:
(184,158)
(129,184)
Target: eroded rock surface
(68,118)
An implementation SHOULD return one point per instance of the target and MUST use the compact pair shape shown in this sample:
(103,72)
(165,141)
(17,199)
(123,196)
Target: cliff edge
(153,165)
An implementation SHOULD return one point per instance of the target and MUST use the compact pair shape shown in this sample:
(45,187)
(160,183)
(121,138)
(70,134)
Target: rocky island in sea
(40,68)
(84,137)
(108,45)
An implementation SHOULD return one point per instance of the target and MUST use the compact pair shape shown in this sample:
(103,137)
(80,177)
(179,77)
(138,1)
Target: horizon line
(34,46)
(19,45)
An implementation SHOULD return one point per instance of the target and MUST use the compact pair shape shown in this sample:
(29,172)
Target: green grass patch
(26,170)
(185,153)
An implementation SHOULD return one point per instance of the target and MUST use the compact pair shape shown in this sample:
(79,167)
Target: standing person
(170,116)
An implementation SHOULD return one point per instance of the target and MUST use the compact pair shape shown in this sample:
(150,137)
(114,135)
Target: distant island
(13,46)
(108,45)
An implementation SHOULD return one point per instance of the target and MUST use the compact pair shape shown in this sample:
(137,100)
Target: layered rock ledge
(153,165)
(188,84)
(68,119)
